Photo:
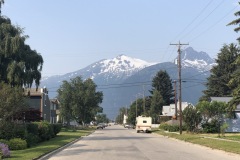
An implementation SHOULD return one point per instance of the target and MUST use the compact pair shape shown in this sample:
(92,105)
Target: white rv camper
(143,124)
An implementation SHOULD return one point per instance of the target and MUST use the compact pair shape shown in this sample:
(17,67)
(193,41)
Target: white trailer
(143,124)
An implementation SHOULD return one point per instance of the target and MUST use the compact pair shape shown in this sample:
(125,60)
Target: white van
(144,124)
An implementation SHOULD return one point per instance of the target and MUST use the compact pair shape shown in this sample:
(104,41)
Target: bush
(19,131)
(57,128)
(45,130)
(164,126)
(4,141)
(173,128)
(32,128)
(6,130)
(32,139)
(211,127)
(4,151)
(17,144)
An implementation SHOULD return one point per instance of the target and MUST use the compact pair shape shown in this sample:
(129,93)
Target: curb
(50,154)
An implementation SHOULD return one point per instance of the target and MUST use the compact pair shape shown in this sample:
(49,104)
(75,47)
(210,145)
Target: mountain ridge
(123,69)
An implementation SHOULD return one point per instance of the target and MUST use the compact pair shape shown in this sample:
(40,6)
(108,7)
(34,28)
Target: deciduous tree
(19,64)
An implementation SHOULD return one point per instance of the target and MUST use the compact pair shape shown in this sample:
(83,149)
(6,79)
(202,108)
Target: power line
(193,19)
(196,26)
(213,24)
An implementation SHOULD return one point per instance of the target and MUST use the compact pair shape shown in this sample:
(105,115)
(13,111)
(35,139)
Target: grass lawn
(63,138)
(209,140)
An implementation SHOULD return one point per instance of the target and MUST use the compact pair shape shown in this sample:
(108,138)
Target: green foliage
(211,127)
(17,144)
(212,114)
(236,22)
(19,131)
(32,128)
(4,141)
(156,106)
(56,128)
(6,130)
(102,118)
(79,100)
(162,83)
(217,85)
(119,118)
(192,118)
(164,126)
(171,128)
(223,128)
(32,139)
(12,102)
(45,131)
(19,64)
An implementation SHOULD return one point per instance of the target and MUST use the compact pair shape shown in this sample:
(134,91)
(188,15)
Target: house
(38,99)
(233,123)
(54,111)
(125,117)
(169,111)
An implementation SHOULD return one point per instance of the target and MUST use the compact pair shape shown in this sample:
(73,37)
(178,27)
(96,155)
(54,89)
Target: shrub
(17,144)
(211,127)
(44,130)
(19,131)
(4,151)
(4,141)
(32,128)
(57,128)
(173,128)
(6,130)
(164,126)
(32,139)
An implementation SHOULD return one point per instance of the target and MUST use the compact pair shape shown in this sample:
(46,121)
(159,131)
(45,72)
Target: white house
(170,110)
(233,123)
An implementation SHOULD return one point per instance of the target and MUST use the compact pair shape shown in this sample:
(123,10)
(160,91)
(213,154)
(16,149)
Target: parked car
(100,125)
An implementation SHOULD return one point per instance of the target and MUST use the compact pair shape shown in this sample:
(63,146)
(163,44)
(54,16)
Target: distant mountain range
(122,78)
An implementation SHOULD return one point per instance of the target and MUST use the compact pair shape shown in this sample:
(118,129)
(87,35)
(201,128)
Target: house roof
(221,99)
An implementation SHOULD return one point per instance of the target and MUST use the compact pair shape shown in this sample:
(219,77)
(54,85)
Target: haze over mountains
(122,78)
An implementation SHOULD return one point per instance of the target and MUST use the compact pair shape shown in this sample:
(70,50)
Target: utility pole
(136,106)
(180,84)
(144,100)
(175,97)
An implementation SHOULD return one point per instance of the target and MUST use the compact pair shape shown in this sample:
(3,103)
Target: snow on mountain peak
(123,63)
(199,60)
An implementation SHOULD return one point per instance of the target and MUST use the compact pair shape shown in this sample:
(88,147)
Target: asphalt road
(118,143)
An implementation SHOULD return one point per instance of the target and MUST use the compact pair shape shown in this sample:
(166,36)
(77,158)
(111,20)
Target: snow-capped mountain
(123,70)
(199,60)
(119,67)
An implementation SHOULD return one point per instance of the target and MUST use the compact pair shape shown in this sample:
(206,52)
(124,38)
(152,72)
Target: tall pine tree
(217,85)
(162,83)
(236,22)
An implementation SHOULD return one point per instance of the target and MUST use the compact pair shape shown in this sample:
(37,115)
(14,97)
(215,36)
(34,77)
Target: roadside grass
(64,137)
(228,143)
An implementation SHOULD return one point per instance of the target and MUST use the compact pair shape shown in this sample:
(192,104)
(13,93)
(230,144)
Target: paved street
(118,143)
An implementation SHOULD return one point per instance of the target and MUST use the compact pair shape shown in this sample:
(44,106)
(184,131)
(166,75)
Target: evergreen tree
(162,83)
(236,22)
(1,3)
(156,106)
(217,85)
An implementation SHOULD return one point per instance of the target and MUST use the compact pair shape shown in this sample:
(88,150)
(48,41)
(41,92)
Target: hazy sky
(72,34)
